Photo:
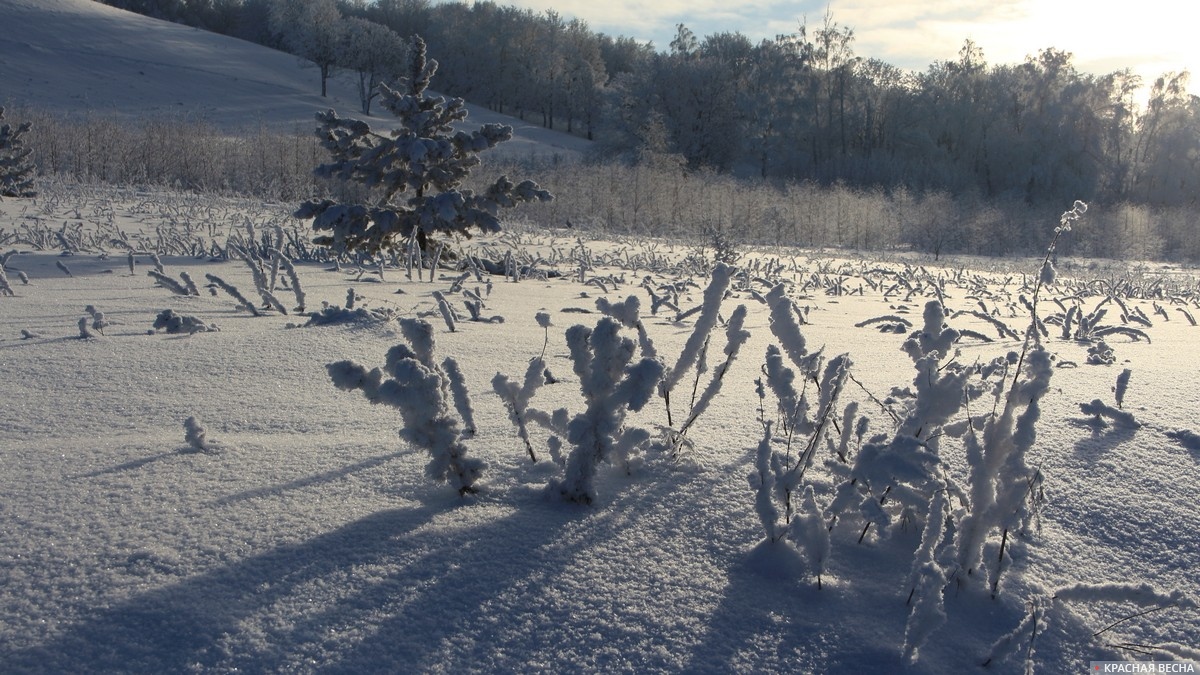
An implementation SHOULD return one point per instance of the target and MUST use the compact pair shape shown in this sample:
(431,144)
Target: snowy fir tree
(16,171)
(414,173)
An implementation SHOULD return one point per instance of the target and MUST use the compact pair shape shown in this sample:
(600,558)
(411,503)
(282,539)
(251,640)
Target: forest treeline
(802,106)
(794,140)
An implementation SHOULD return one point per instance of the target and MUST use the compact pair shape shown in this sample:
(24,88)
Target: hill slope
(82,57)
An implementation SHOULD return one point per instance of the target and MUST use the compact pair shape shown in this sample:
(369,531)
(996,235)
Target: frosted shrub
(1099,410)
(330,315)
(780,474)
(282,261)
(170,284)
(611,386)
(97,321)
(900,471)
(929,576)
(694,352)
(261,283)
(424,393)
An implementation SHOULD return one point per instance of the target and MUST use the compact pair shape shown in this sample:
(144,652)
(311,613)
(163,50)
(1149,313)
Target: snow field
(314,541)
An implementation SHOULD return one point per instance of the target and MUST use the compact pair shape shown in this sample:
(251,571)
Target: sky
(1151,37)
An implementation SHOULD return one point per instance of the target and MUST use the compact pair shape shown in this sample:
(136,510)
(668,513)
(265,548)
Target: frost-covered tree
(374,52)
(415,172)
(310,29)
(16,171)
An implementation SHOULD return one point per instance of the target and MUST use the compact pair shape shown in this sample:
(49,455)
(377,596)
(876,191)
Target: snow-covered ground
(312,540)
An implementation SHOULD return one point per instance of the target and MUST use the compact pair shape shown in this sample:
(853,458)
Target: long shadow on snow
(310,481)
(422,588)
(765,623)
(1138,515)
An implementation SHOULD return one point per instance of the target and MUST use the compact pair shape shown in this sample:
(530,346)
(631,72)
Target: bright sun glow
(1152,38)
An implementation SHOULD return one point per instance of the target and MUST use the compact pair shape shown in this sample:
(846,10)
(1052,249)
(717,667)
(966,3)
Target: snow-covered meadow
(185,489)
(308,537)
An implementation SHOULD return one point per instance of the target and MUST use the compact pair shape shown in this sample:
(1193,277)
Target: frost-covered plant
(735,337)
(446,310)
(282,261)
(1088,328)
(5,288)
(85,329)
(929,576)
(330,315)
(416,171)
(779,474)
(261,283)
(518,396)
(1004,492)
(98,321)
(169,283)
(1121,387)
(424,393)
(1098,409)
(693,355)
(709,310)
(177,324)
(233,293)
(901,471)
(543,320)
(1100,354)
(188,284)
(611,386)
(1041,609)
(197,437)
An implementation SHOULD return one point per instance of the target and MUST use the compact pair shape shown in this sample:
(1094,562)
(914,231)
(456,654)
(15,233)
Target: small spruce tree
(16,171)
(414,173)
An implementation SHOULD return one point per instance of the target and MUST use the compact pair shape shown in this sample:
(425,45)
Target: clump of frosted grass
(709,312)
(233,293)
(282,261)
(1121,387)
(168,283)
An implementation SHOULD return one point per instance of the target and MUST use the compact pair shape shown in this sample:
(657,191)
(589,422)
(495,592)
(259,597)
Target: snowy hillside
(81,57)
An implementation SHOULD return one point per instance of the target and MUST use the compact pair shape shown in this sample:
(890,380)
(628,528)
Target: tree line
(802,106)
